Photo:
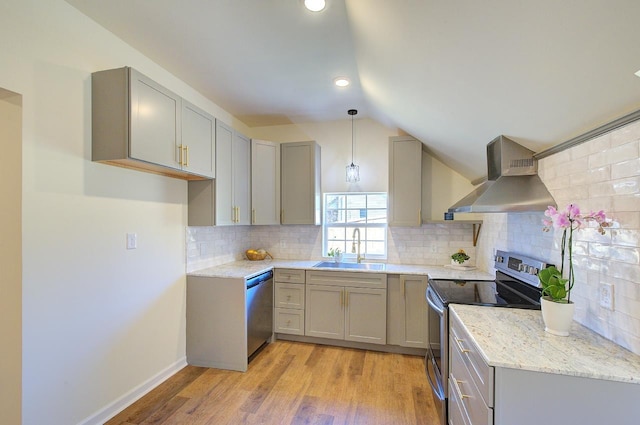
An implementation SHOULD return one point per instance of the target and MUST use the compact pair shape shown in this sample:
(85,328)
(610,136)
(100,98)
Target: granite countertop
(515,339)
(246,269)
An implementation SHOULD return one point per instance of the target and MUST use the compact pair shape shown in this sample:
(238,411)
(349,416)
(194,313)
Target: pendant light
(353,171)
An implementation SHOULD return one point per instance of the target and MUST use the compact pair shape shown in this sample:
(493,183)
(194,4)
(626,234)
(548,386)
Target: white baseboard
(112,409)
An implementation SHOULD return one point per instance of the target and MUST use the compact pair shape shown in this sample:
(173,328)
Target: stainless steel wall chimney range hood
(512,182)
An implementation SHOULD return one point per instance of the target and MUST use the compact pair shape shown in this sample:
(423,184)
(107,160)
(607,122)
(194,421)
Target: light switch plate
(132,241)
(606,296)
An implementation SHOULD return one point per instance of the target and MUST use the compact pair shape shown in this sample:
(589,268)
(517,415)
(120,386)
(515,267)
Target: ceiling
(454,74)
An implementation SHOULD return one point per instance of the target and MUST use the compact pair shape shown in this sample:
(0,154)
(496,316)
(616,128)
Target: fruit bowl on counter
(257,254)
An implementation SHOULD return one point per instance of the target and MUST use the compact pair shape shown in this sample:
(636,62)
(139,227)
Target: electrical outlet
(132,241)
(606,296)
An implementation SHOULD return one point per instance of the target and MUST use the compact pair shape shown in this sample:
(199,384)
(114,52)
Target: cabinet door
(225,214)
(395,311)
(241,178)
(155,122)
(416,312)
(300,183)
(366,315)
(324,311)
(265,182)
(405,182)
(198,140)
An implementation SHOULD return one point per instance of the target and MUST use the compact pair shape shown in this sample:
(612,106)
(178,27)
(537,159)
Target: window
(345,212)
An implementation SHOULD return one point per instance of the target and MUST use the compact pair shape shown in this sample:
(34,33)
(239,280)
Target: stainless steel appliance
(512,182)
(259,311)
(516,286)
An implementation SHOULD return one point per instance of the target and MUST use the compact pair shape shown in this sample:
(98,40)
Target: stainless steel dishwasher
(259,311)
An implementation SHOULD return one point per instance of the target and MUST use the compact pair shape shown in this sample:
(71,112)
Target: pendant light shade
(353,171)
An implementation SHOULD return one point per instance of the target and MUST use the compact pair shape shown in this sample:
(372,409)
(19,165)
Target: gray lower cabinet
(407,311)
(289,301)
(216,323)
(346,306)
(481,394)
(471,397)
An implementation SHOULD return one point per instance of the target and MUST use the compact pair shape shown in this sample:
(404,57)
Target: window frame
(347,254)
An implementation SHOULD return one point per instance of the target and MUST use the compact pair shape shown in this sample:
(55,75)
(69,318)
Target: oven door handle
(437,389)
(433,301)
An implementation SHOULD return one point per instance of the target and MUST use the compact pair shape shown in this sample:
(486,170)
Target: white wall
(11,257)
(98,320)
(603,173)
(441,188)
(371,151)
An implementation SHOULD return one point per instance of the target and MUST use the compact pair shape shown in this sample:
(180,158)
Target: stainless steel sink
(351,266)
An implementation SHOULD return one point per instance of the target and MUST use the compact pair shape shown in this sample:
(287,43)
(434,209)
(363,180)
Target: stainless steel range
(516,286)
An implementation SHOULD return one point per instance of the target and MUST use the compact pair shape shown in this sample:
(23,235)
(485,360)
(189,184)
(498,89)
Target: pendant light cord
(352,112)
(351,139)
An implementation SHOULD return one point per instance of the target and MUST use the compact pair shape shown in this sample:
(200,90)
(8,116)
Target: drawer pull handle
(456,384)
(460,347)
(288,297)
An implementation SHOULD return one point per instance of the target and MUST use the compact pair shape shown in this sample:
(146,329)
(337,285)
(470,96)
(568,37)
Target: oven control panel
(519,266)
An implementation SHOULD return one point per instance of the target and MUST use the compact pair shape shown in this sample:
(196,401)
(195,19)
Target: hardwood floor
(294,383)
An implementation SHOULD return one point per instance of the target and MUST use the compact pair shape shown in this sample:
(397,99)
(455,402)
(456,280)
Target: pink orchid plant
(570,219)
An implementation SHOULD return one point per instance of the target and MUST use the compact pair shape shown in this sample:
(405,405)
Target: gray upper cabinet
(405,181)
(265,182)
(241,185)
(137,123)
(300,183)
(225,212)
(226,200)
(155,122)
(198,140)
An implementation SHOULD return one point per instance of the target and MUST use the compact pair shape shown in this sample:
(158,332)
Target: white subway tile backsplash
(626,134)
(620,153)
(626,169)
(626,203)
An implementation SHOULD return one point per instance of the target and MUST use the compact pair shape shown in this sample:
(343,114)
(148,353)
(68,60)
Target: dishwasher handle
(257,280)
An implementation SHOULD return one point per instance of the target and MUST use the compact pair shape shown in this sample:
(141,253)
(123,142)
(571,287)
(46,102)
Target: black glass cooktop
(504,291)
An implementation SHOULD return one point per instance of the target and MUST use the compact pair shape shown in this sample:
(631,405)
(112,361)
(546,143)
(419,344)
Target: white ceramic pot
(557,317)
(455,263)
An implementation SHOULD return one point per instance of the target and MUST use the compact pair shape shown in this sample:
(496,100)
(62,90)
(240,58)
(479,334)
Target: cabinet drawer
(289,321)
(456,412)
(480,372)
(289,295)
(289,275)
(463,388)
(347,279)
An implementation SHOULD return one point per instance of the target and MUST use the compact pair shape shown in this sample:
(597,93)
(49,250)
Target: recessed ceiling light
(314,5)
(638,73)
(341,81)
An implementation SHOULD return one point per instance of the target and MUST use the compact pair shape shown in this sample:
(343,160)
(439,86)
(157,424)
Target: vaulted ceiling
(454,74)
